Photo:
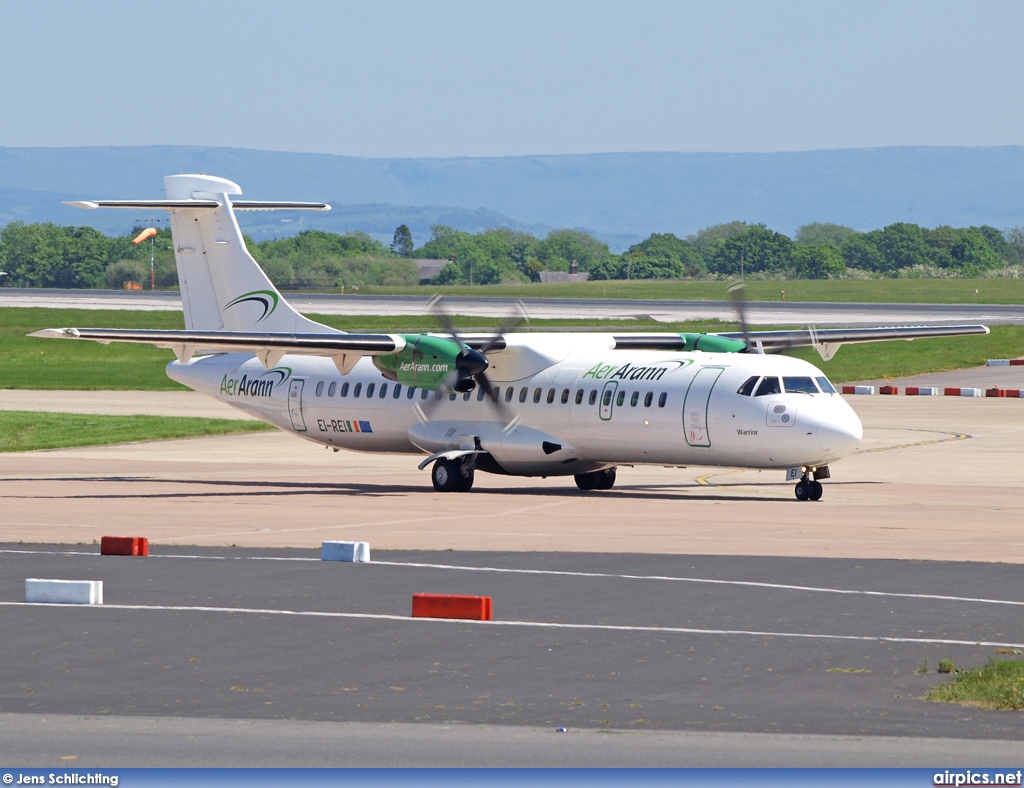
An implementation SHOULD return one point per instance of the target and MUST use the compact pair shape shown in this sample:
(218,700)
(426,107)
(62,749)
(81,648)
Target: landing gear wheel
(451,476)
(605,479)
(816,490)
(802,490)
(597,480)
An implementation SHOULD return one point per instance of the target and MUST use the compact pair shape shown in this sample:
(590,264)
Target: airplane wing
(345,349)
(825,340)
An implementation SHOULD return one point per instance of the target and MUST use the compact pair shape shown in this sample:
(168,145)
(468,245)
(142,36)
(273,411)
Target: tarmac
(720,623)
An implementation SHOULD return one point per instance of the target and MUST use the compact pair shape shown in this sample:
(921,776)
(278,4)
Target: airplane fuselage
(577,407)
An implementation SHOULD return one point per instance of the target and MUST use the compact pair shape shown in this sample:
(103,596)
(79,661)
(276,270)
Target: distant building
(429,268)
(561,276)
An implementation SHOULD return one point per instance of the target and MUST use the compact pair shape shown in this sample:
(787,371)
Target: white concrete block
(357,552)
(998,362)
(971,392)
(929,391)
(863,389)
(65,592)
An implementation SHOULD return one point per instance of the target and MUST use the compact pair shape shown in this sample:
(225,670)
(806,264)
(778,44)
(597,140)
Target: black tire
(446,475)
(596,480)
(816,491)
(802,490)
(465,478)
(605,479)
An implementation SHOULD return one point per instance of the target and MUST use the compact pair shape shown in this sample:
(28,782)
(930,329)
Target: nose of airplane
(840,433)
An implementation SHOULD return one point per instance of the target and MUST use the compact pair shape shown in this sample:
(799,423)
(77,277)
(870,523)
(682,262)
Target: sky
(387,78)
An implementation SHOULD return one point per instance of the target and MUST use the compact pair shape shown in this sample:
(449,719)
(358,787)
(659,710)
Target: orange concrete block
(474,608)
(124,545)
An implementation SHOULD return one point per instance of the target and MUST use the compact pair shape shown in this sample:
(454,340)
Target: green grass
(998,684)
(29,430)
(925,291)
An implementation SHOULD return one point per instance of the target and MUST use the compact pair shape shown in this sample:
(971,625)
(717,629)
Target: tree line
(48,255)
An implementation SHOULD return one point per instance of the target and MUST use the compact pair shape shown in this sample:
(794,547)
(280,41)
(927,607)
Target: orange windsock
(149,232)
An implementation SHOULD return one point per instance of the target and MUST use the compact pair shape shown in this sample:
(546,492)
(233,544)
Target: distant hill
(620,197)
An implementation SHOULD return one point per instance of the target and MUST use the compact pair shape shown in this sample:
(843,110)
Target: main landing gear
(808,489)
(598,480)
(455,475)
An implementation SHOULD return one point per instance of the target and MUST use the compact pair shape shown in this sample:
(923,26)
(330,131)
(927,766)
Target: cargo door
(295,404)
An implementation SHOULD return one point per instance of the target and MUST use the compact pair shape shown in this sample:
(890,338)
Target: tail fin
(222,286)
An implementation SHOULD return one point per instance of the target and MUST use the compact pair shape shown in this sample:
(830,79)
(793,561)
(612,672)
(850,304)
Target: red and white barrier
(1005,362)
(922,391)
(952,391)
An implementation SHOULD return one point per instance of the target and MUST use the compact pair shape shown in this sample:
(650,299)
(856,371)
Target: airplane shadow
(277,489)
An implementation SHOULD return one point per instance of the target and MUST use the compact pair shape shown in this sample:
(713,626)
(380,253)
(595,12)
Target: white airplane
(539,404)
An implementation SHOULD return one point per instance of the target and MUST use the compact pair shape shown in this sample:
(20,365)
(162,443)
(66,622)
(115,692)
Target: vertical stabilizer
(222,286)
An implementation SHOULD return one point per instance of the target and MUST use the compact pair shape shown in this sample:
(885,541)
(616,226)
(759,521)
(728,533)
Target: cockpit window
(827,387)
(800,385)
(768,386)
(748,386)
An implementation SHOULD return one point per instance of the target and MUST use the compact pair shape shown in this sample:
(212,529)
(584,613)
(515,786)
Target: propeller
(738,295)
(471,364)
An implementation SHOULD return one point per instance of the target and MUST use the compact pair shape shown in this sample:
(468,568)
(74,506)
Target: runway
(759,312)
(729,625)
(633,643)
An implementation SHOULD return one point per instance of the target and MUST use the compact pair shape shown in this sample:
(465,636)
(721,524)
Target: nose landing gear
(809,488)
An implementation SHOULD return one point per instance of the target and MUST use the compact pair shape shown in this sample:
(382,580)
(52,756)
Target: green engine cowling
(712,343)
(426,362)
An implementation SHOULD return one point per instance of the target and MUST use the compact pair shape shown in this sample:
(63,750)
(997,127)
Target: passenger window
(438,395)
(452,395)
(466,396)
(635,398)
(621,398)
(411,392)
(662,399)
(344,389)
(551,396)
(357,389)
(579,397)
(607,398)
(509,393)
(480,394)
(748,386)
(319,388)
(331,389)
(369,389)
(424,393)
(495,393)
(522,394)
(827,387)
(398,391)
(768,386)
(536,395)
(799,385)
(383,390)
(593,396)
(648,399)
(565,396)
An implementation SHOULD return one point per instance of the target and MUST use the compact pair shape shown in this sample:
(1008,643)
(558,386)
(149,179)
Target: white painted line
(657,578)
(529,624)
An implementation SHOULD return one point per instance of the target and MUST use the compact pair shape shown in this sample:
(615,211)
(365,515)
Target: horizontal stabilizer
(170,205)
